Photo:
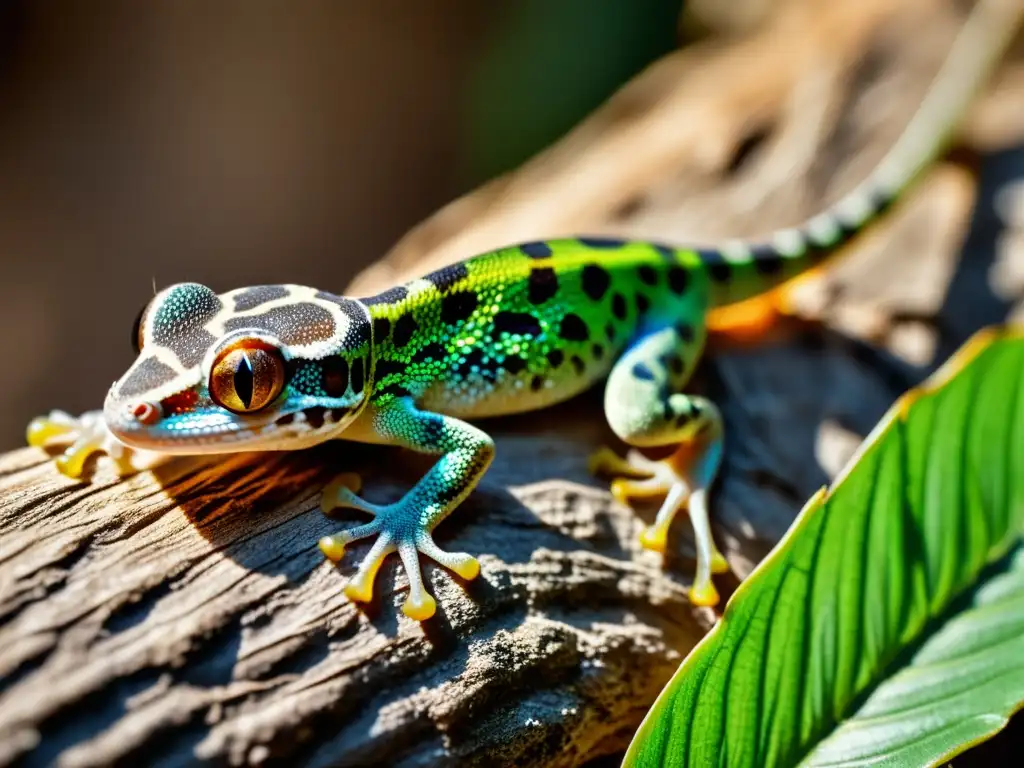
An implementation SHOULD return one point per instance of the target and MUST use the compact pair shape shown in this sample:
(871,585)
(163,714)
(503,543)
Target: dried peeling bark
(188,615)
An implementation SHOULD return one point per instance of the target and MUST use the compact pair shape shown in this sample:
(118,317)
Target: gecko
(517,329)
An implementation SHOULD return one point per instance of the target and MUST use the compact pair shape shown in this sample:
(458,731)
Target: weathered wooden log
(187,615)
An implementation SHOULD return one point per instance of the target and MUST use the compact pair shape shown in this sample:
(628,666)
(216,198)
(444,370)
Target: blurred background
(236,143)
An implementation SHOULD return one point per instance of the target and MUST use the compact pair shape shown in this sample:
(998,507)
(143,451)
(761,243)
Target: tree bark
(186,614)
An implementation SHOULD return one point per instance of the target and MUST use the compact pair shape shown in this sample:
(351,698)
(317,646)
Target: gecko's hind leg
(643,411)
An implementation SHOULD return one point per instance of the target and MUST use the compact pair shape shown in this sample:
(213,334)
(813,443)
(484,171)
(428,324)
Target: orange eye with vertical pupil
(247,377)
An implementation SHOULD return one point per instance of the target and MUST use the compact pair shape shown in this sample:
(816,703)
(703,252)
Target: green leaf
(878,631)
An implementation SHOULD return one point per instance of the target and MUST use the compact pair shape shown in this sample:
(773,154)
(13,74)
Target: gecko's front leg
(81,437)
(407,524)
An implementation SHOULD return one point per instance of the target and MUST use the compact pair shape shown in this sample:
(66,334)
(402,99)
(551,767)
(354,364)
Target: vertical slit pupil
(243,381)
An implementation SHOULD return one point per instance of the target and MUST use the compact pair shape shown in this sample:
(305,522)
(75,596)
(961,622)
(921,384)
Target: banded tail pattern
(742,269)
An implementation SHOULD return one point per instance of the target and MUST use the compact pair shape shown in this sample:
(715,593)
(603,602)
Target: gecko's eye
(247,376)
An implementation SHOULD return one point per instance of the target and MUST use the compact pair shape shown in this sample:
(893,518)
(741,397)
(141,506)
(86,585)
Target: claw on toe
(419,607)
(704,595)
(360,586)
(42,430)
(469,568)
(718,563)
(72,461)
(655,538)
(333,547)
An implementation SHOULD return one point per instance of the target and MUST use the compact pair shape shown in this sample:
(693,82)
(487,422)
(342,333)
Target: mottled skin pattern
(518,329)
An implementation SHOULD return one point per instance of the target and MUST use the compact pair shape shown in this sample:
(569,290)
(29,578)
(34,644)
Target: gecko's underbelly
(477,397)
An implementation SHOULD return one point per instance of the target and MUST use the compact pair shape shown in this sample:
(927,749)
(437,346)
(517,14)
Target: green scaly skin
(285,366)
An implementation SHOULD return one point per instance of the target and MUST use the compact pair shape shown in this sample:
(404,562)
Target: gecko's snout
(144,413)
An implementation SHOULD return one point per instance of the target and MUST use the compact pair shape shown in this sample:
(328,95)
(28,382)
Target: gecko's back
(530,325)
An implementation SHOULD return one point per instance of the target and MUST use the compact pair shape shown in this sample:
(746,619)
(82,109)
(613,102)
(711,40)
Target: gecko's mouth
(207,428)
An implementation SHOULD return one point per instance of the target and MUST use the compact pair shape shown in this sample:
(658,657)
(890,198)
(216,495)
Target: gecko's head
(264,368)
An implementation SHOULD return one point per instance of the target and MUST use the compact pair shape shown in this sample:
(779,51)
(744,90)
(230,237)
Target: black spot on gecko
(685,332)
(578,364)
(538,250)
(433,430)
(678,279)
(357,374)
(601,242)
(595,281)
(542,285)
(537,383)
(334,375)
(514,364)
(719,269)
(381,329)
(555,357)
(485,366)
(250,298)
(674,363)
(315,416)
(642,303)
(285,420)
(720,272)
(642,372)
(456,307)
(768,261)
(573,328)
(619,306)
(405,327)
(446,277)
(357,332)
(597,351)
(647,274)
(521,323)
(387,368)
(390,296)
(337,414)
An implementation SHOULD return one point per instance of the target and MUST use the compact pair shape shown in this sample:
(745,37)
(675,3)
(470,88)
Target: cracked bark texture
(187,616)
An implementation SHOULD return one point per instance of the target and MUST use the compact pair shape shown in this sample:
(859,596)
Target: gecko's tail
(743,269)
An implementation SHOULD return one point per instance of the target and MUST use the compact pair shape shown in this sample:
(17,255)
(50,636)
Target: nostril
(145,413)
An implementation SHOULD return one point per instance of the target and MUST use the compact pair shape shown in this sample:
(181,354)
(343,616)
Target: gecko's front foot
(399,526)
(81,437)
(680,480)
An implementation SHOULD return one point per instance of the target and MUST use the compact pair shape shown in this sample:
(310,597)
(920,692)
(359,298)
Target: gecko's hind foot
(81,437)
(398,527)
(640,478)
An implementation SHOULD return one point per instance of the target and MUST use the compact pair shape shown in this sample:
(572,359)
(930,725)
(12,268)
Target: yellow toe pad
(332,547)
(704,594)
(654,538)
(420,609)
(468,569)
(718,563)
(41,430)
(359,590)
